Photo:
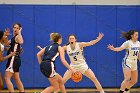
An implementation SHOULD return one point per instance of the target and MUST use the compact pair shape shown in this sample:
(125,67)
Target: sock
(102,92)
(121,91)
(126,89)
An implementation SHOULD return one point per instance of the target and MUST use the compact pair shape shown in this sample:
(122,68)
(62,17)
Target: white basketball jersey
(76,56)
(2,47)
(132,49)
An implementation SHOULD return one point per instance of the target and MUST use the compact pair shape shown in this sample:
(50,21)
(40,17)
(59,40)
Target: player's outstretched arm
(92,42)
(117,49)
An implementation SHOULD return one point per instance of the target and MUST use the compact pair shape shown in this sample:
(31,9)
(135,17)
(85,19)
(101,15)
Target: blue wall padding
(86,21)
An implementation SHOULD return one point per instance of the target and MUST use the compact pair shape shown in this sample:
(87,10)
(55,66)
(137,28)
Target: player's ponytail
(55,37)
(128,35)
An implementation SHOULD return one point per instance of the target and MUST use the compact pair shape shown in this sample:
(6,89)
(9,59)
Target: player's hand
(73,70)
(13,53)
(39,47)
(7,32)
(9,42)
(100,36)
(19,32)
(111,47)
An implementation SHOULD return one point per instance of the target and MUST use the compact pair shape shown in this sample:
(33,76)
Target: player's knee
(93,77)
(64,81)
(6,79)
(56,87)
(134,81)
(126,80)
(61,81)
(17,80)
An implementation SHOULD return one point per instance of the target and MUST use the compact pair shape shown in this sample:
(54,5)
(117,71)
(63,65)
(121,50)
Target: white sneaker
(127,91)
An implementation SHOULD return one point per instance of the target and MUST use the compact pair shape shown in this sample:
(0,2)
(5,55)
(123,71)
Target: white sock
(102,92)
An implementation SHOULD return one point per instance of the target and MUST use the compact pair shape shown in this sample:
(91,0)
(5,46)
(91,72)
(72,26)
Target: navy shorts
(13,64)
(48,69)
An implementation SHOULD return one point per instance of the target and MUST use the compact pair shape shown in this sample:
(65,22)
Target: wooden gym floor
(107,90)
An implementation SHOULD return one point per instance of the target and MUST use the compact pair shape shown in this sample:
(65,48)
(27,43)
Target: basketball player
(14,62)
(3,38)
(129,64)
(47,64)
(75,52)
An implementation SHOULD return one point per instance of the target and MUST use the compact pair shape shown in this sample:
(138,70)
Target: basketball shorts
(48,69)
(80,67)
(13,64)
(129,63)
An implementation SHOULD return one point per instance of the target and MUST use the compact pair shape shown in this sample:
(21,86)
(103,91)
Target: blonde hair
(55,37)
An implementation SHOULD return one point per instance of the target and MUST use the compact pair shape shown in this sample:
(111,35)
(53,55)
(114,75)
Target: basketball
(77,76)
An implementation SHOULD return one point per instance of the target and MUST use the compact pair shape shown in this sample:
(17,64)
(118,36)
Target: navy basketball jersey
(51,52)
(14,47)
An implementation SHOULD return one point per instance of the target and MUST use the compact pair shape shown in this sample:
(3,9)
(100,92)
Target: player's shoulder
(127,42)
(66,45)
(138,42)
(79,43)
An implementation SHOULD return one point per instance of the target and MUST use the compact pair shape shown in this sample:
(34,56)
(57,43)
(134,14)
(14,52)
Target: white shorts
(80,67)
(129,63)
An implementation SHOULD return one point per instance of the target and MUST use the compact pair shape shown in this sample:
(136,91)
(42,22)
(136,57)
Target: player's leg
(89,73)
(133,81)
(18,82)
(127,76)
(16,66)
(61,84)
(134,74)
(1,82)
(7,79)
(54,85)
(66,77)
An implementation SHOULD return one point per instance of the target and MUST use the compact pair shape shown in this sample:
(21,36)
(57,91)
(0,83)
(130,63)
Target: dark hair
(55,37)
(72,35)
(1,34)
(68,39)
(128,34)
(17,24)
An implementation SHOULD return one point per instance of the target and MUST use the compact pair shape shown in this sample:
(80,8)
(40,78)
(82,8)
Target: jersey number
(135,53)
(50,48)
(75,59)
